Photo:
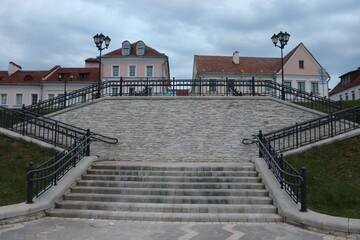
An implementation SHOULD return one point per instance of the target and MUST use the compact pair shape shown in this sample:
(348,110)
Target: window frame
(301,64)
(140,48)
(152,70)
(118,70)
(303,84)
(32,98)
(16,99)
(129,71)
(1,99)
(315,90)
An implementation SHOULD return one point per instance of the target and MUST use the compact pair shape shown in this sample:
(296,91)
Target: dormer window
(28,78)
(345,80)
(125,50)
(140,48)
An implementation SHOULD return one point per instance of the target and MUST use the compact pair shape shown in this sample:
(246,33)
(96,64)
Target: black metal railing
(293,182)
(46,175)
(314,130)
(186,87)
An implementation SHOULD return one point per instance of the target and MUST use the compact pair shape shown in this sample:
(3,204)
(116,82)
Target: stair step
(167,217)
(173,173)
(169,191)
(173,208)
(178,185)
(155,198)
(170,178)
(173,168)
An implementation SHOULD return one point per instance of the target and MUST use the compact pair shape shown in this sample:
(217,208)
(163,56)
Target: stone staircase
(169,192)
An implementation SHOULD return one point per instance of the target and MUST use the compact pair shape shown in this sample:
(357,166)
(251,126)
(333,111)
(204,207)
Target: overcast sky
(39,34)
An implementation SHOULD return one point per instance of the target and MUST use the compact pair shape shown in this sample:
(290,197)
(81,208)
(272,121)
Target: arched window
(28,77)
(140,48)
(125,50)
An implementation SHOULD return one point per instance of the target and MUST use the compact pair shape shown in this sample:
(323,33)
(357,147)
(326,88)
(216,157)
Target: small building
(348,88)
(301,71)
(18,87)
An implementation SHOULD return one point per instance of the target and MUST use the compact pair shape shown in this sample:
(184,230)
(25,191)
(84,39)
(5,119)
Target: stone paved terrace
(182,129)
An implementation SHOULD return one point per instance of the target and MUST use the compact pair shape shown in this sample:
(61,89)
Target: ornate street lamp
(99,39)
(283,38)
(60,76)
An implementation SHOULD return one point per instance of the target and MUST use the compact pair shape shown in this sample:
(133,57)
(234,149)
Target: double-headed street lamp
(99,39)
(283,38)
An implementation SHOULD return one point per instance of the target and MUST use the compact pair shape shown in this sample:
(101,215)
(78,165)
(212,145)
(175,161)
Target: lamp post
(283,38)
(60,76)
(99,39)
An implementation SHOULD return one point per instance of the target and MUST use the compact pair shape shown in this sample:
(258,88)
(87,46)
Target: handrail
(198,87)
(317,129)
(43,177)
(100,137)
(293,182)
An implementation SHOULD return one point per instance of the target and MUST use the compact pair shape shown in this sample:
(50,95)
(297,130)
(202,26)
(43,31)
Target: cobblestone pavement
(89,229)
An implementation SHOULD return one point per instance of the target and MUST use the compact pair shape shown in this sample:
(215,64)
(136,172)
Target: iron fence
(293,182)
(185,87)
(46,175)
(314,130)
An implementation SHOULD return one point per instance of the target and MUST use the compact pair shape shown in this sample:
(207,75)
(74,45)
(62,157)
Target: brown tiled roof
(218,64)
(354,81)
(149,52)
(35,77)
(22,77)
(91,60)
(79,75)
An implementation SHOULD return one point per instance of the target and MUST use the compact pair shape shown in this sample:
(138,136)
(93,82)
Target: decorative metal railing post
(303,191)
(29,197)
(281,164)
(173,87)
(65,94)
(297,134)
(253,86)
(200,86)
(56,130)
(331,124)
(87,153)
(261,140)
(147,87)
(121,86)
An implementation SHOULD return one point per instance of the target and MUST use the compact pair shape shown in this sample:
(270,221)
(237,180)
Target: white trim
(30,98)
(6,99)
(153,69)
(130,65)
(112,70)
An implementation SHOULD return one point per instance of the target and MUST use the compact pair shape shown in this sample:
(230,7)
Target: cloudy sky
(39,34)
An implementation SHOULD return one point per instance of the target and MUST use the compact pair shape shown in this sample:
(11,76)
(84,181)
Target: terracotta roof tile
(22,77)
(149,52)
(79,75)
(354,81)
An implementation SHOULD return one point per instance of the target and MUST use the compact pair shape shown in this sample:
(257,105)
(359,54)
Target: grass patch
(333,177)
(14,158)
(351,103)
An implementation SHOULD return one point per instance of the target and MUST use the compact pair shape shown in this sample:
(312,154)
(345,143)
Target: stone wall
(189,129)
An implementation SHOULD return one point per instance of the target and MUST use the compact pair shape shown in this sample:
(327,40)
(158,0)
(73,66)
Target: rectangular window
(340,97)
(34,99)
(212,85)
(353,95)
(346,96)
(19,99)
(315,87)
(114,91)
(301,86)
(268,84)
(3,99)
(301,64)
(345,80)
(50,96)
(149,71)
(287,84)
(132,71)
(115,71)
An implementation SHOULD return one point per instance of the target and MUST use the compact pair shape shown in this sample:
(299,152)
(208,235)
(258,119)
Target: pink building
(18,87)
(301,70)
(133,61)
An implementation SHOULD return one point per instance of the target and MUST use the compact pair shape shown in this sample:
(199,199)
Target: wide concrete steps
(169,192)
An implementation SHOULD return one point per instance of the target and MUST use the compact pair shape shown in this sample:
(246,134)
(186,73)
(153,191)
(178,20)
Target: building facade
(348,88)
(19,87)
(301,70)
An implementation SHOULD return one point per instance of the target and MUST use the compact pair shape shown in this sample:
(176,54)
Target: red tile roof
(149,52)
(218,64)
(354,81)
(35,77)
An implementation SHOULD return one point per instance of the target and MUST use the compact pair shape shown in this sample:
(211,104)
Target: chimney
(236,57)
(13,68)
